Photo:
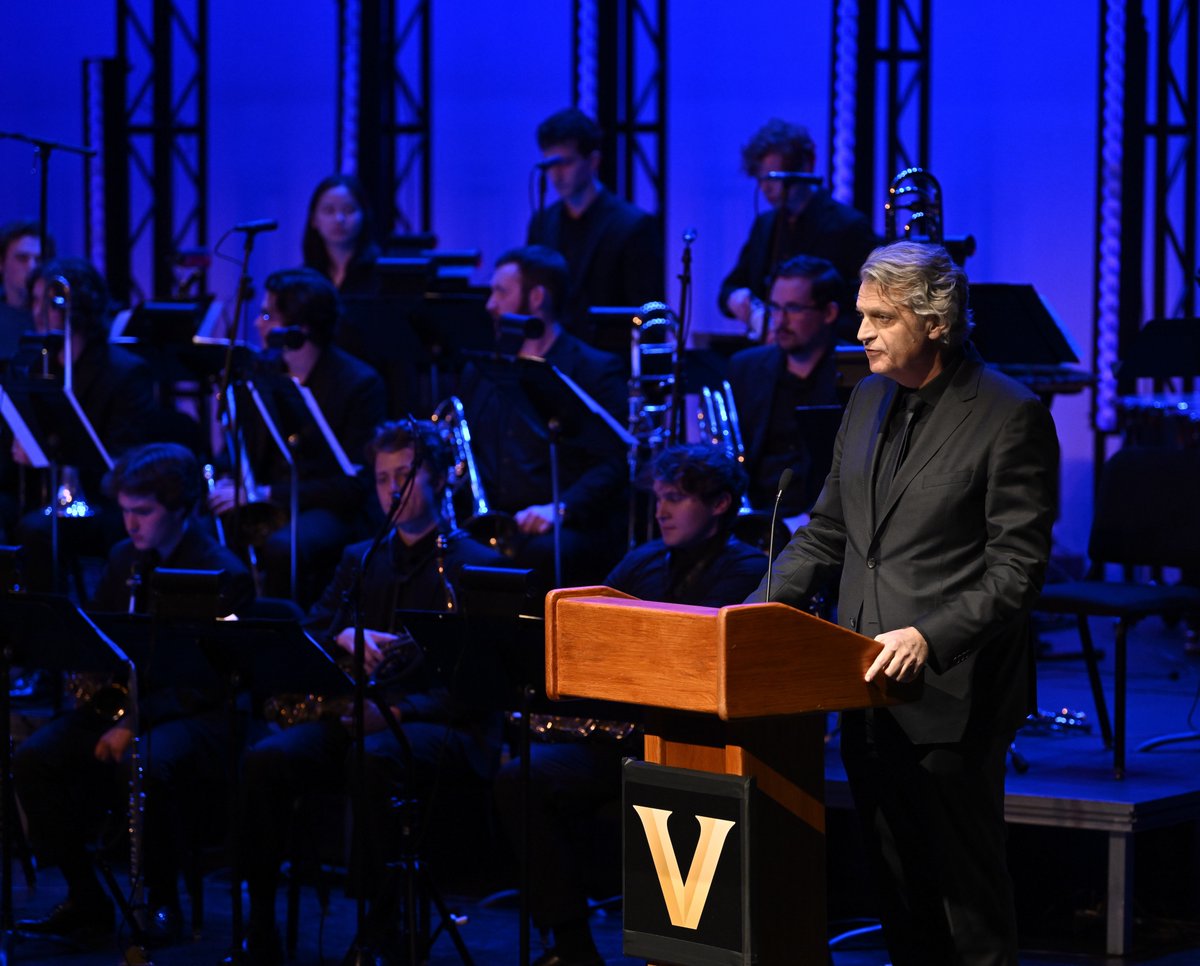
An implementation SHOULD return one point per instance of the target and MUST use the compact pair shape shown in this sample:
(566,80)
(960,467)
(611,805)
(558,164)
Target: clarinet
(137,807)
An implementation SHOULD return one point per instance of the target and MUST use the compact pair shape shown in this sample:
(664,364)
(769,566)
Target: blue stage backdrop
(1014,132)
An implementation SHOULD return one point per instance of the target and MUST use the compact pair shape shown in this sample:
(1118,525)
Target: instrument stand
(48,631)
(553,429)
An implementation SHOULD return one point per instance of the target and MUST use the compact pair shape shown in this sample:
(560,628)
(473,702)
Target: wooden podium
(732,691)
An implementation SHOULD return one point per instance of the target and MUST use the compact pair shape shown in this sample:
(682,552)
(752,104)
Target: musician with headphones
(300,310)
(64,771)
(417,567)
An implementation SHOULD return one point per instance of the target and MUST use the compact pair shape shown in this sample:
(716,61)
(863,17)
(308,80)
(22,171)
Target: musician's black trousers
(932,819)
(569,784)
(319,756)
(66,793)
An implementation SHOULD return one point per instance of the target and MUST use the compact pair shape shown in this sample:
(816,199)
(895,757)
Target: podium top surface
(742,661)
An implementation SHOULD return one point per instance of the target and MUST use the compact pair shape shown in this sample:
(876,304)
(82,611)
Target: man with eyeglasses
(779,388)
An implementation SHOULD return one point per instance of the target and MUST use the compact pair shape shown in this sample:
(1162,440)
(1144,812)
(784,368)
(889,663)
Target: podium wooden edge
(552,599)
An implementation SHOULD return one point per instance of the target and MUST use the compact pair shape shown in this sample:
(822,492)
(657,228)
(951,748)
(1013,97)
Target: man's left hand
(904,654)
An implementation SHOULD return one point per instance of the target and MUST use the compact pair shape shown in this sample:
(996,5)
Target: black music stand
(292,419)
(449,325)
(1015,326)
(52,428)
(48,632)
(459,657)
(161,332)
(565,411)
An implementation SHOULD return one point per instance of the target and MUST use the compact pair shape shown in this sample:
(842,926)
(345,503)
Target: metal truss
(619,70)
(1125,193)
(1172,136)
(384,119)
(862,68)
(147,114)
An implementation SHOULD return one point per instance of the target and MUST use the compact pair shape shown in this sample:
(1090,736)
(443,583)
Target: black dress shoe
(86,923)
(552,957)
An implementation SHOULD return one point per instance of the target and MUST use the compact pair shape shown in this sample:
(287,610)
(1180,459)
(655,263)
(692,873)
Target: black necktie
(907,415)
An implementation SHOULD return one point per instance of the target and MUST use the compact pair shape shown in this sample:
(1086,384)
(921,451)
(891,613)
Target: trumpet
(719,426)
(465,498)
(256,519)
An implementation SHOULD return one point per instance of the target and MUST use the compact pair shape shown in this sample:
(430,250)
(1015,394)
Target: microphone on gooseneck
(785,480)
(547,163)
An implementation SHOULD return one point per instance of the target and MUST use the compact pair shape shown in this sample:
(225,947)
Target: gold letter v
(685,900)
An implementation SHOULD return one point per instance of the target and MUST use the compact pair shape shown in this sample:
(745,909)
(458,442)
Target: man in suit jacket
(778,387)
(937,511)
(614,250)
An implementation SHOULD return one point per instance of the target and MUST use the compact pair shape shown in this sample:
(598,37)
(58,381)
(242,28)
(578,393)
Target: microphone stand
(228,414)
(685,313)
(43,149)
(360,953)
(785,480)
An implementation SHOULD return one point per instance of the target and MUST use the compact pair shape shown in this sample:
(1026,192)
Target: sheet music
(21,433)
(319,417)
(621,432)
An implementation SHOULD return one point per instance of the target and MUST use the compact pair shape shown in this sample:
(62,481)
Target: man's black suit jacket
(958,549)
(621,262)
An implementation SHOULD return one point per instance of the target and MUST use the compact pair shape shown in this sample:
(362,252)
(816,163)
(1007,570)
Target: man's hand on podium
(904,654)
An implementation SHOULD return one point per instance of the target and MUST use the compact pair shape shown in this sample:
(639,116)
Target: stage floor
(1069,822)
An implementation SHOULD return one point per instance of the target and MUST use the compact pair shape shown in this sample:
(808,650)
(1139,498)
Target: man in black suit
(802,220)
(778,388)
(511,440)
(613,249)
(937,512)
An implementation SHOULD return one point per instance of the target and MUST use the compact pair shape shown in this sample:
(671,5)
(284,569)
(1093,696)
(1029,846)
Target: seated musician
(338,239)
(300,309)
(115,390)
(511,441)
(409,571)
(798,370)
(74,768)
(697,560)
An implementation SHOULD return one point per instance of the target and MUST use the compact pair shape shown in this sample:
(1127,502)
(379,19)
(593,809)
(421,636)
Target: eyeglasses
(790,309)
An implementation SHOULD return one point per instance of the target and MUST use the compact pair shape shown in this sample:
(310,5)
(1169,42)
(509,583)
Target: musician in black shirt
(697,560)
(415,568)
(69,771)
(511,437)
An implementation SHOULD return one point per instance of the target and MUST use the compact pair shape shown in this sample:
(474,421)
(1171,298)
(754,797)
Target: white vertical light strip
(845,101)
(94,166)
(351,69)
(1108,274)
(585,80)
